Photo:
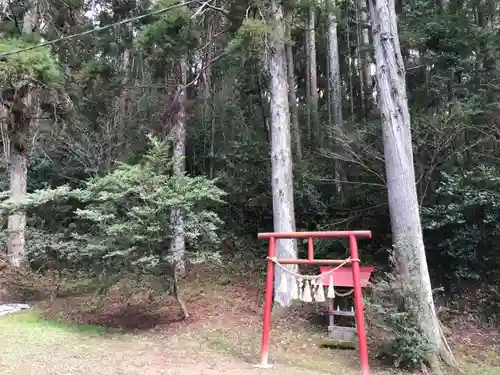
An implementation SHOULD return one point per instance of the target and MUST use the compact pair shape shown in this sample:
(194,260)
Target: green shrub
(396,332)
(120,223)
(36,65)
(462,228)
(489,305)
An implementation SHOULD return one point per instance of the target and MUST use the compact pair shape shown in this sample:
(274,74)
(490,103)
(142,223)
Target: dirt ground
(29,345)
(138,332)
(54,354)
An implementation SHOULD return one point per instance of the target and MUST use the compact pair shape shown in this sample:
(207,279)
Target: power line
(97,29)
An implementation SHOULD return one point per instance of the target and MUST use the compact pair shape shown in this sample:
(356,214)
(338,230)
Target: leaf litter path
(27,349)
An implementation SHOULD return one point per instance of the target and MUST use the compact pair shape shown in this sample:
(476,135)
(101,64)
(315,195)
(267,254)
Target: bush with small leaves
(119,223)
(398,336)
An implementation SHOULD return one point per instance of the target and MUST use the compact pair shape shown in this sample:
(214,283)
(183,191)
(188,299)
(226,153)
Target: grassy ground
(140,333)
(32,345)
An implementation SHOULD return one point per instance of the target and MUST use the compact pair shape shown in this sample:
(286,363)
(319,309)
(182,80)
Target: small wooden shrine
(341,278)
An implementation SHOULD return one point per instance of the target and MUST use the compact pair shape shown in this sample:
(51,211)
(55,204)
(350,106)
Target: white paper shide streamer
(305,288)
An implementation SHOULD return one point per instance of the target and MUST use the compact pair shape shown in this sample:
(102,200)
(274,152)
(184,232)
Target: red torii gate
(353,260)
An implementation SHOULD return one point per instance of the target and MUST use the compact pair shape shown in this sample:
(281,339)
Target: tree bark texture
(123,101)
(292,97)
(402,193)
(281,152)
(31,18)
(334,88)
(313,75)
(365,47)
(178,135)
(18,158)
(334,82)
(17,223)
(308,86)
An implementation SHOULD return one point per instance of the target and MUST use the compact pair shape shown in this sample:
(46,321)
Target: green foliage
(408,348)
(463,226)
(36,66)
(123,222)
(250,39)
(94,70)
(170,36)
(394,327)
(489,304)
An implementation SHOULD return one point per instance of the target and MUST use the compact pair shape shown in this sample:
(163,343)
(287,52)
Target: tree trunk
(366,55)
(31,18)
(313,77)
(176,290)
(350,71)
(308,87)
(492,13)
(334,87)
(209,106)
(402,193)
(281,153)
(122,103)
(17,223)
(18,161)
(334,70)
(292,97)
(179,167)
(359,59)
(208,110)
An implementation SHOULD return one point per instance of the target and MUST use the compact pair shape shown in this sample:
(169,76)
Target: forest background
(156,140)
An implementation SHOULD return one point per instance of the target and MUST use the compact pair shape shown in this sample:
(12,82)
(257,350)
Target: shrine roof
(343,276)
